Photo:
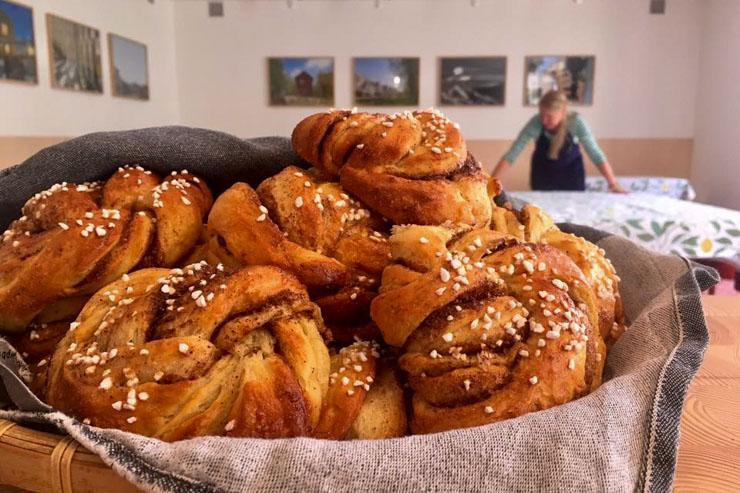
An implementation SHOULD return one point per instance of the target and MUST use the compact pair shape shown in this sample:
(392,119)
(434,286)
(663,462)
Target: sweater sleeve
(530,131)
(580,129)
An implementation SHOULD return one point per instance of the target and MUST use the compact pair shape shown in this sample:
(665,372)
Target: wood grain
(709,449)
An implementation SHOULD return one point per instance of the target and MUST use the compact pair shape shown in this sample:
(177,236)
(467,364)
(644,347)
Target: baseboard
(647,157)
(15,150)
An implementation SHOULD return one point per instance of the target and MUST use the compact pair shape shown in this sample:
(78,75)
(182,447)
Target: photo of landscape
(386,81)
(129,69)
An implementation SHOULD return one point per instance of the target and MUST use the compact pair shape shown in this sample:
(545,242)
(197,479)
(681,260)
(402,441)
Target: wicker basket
(39,461)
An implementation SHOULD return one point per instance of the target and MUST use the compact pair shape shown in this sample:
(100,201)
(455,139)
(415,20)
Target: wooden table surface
(709,450)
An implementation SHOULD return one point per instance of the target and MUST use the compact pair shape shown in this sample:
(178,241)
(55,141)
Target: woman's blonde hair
(556,101)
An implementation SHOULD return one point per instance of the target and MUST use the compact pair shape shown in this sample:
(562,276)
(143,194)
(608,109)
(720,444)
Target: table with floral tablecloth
(662,223)
(678,188)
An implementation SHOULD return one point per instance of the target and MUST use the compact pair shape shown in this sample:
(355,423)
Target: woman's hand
(615,187)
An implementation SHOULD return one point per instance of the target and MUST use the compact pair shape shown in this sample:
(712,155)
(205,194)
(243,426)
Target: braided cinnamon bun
(195,351)
(412,168)
(491,327)
(532,224)
(365,399)
(300,222)
(73,239)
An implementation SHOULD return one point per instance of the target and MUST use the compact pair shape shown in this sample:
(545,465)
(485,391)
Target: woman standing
(557,162)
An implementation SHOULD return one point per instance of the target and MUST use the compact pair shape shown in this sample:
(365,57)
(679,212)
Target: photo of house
(301,81)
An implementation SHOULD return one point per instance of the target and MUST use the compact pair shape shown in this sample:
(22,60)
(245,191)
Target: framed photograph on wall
(305,81)
(74,55)
(17,43)
(573,74)
(129,68)
(472,81)
(386,81)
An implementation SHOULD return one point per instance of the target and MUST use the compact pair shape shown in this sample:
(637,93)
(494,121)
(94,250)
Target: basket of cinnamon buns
(376,292)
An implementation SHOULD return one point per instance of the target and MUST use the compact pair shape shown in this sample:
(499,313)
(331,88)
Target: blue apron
(564,173)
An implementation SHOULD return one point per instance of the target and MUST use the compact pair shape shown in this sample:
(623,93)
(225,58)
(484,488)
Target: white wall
(39,110)
(646,65)
(211,72)
(716,163)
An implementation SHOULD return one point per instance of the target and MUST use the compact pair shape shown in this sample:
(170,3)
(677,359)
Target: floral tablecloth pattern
(678,188)
(662,223)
